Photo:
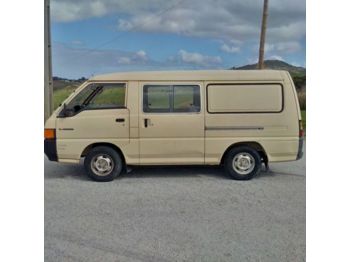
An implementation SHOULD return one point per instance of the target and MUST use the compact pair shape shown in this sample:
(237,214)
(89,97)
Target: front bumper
(50,149)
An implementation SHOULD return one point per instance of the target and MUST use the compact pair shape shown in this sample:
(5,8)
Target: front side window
(98,96)
(171,98)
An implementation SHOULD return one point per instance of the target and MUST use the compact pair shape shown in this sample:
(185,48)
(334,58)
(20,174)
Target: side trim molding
(211,128)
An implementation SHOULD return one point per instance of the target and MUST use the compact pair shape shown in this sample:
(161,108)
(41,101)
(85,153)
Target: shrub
(302,99)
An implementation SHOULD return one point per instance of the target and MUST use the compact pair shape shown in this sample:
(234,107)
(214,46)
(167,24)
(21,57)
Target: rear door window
(157,98)
(171,98)
(186,99)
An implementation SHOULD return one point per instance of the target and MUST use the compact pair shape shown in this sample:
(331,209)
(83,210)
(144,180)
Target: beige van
(238,119)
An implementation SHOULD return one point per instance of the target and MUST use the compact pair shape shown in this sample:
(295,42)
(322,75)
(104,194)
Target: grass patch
(61,94)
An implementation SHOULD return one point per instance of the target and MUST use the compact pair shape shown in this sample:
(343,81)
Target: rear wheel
(243,163)
(103,164)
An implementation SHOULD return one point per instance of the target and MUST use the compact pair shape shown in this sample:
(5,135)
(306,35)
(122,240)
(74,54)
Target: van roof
(196,75)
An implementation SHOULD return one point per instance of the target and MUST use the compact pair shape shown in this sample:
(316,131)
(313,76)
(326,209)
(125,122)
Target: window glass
(110,96)
(186,99)
(157,98)
(78,100)
(167,98)
(98,96)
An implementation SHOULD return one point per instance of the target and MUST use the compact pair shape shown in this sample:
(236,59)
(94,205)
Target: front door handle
(120,120)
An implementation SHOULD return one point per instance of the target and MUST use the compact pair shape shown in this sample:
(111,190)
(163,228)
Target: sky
(91,37)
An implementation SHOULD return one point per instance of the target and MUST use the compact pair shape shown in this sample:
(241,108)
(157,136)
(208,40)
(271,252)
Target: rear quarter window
(244,98)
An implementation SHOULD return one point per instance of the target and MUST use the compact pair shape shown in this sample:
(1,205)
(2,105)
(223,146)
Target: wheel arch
(113,146)
(255,145)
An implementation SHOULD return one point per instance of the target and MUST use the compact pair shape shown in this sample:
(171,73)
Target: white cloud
(124,60)
(275,57)
(230,49)
(281,47)
(289,47)
(221,19)
(141,55)
(78,61)
(268,47)
(67,11)
(252,60)
(81,61)
(197,58)
(77,42)
(125,25)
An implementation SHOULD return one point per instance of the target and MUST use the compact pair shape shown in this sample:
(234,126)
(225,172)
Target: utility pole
(48,85)
(262,35)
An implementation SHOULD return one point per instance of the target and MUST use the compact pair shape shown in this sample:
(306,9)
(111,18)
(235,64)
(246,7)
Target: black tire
(108,153)
(246,151)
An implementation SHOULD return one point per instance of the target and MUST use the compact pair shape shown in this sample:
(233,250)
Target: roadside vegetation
(62,88)
(303,117)
(61,94)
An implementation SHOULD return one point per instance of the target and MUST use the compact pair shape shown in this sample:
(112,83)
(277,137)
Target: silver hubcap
(102,165)
(243,163)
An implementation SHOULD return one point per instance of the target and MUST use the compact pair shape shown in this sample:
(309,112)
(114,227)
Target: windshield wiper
(91,96)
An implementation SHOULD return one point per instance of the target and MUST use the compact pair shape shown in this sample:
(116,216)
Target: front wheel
(103,164)
(243,163)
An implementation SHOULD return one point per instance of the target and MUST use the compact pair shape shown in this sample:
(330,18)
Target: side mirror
(65,112)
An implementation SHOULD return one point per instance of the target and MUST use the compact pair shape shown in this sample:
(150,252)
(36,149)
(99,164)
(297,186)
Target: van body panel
(72,149)
(132,103)
(75,133)
(276,132)
(94,124)
(193,137)
(276,149)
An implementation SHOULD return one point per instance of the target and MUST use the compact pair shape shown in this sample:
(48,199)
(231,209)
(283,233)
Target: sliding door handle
(120,120)
(146,122)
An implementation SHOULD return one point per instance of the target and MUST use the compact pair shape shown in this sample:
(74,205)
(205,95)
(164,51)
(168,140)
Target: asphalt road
(175,214)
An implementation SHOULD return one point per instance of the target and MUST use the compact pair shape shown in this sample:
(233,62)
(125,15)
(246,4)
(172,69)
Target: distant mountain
(274,64)
(297,72)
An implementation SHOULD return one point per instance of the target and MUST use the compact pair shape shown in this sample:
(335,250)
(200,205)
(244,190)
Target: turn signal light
(50,133)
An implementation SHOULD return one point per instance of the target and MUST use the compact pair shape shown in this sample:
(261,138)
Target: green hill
(275,64)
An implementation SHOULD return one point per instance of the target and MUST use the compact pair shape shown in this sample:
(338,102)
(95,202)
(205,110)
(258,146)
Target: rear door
(171,122)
